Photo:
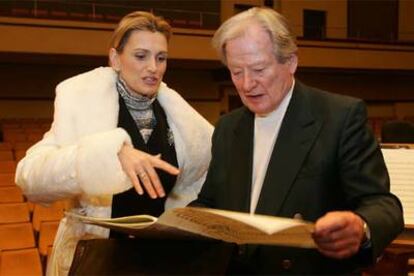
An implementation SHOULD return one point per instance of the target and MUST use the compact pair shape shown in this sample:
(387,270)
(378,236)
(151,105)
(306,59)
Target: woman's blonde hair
(139,20)
(273,23)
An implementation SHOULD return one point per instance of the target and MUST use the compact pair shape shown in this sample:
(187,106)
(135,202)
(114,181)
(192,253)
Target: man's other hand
(339,234)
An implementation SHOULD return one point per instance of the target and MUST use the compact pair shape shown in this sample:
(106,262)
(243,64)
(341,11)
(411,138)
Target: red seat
(7,166)
(6,155)
(14,212)
(11,194)
(47,235)
(5,146)
(19,154)
(7,179)
(16,236)
(21,262)
(42,214)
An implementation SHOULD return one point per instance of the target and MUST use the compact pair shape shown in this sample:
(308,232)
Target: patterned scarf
(140,108)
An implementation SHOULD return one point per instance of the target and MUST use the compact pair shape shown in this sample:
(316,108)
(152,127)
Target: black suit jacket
(324,159)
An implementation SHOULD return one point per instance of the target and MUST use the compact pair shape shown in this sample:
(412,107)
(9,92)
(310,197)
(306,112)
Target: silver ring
(142,175)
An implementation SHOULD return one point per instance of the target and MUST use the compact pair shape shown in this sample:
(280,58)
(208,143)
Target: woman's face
(143,61)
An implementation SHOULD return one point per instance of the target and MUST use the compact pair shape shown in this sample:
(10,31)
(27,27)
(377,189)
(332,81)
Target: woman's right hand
(140,168)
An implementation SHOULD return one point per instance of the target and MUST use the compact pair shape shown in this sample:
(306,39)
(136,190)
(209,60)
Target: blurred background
(362,48)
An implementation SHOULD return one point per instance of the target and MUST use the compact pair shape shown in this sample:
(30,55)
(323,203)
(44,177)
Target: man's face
(261,81)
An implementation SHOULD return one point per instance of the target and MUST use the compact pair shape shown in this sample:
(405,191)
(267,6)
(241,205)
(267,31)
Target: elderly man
(296,151)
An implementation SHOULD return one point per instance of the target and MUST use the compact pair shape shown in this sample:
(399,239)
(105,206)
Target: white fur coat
(77,159)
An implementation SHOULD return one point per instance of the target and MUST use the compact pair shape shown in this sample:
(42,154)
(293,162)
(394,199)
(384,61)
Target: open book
(229,226)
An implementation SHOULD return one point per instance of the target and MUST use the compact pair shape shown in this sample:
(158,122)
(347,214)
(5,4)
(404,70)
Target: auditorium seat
(11,125)
(34,136)
(29,125)
(19,154)
(7,166)
(5,146)
(22,145)
(23,262)
(195,23)
(47,235)
(14,136)
(14,212)
(10,194)
(45,126)
(411,265)
(31,206)
(7,179)
(16,236)
(397,131)
(42,214)
(6,155)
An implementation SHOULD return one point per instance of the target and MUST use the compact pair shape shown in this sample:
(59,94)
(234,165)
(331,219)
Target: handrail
(107,12)
(397,146)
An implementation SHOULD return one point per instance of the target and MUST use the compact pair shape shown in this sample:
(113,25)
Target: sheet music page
(400,165)
(267,224)
(234,227)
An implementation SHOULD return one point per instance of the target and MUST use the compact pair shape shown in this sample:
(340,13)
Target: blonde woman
(121,143)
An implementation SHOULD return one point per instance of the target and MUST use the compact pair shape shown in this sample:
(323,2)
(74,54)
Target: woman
(118,135)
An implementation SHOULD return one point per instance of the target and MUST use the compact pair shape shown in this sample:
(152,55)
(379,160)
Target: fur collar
(92,100)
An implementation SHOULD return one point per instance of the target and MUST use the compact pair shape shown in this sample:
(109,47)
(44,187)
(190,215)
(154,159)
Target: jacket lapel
(297,134)
(240,177)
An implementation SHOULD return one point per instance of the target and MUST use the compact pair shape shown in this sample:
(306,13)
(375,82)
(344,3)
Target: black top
(130,202)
